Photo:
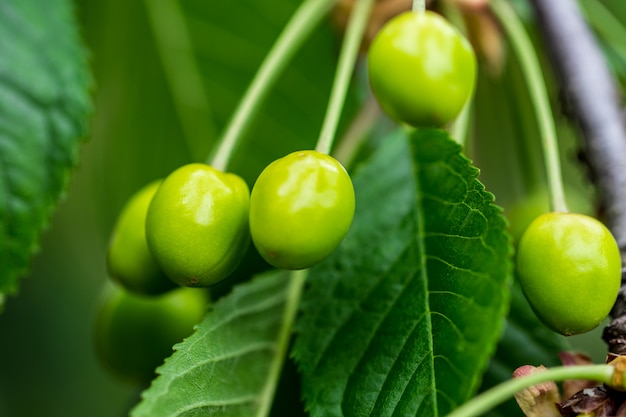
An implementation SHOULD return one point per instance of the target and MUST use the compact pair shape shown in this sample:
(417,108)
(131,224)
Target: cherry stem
(460,127)
(345,67)
(489,399)
(531,69)
(294,294)
(594,98)
(419,6)
(300,26)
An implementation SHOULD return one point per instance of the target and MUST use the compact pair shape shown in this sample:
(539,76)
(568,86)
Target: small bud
(539,400)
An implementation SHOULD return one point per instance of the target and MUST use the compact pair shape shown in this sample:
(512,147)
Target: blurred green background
(48,367)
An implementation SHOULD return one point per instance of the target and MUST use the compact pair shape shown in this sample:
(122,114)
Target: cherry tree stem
(345,68)
(531,69)
(489,399)
(419,6)
(305,19)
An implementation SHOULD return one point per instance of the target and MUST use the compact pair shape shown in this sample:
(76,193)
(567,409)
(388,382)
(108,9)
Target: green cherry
(569,267)
(129,260)
(197,224)
(421,69)
(301,208)
(135,333)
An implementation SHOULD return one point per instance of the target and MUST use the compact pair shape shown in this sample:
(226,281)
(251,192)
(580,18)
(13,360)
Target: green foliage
(400,321)
(403,303)
(408,317)
(44,102)
(228,367)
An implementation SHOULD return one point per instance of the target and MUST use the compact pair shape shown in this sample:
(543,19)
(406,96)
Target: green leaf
(44,103)
(403,318)
(231,364)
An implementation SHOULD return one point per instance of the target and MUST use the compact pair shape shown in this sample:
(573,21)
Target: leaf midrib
(421,231)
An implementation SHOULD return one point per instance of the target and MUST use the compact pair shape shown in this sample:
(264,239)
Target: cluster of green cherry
(192,228)
(422,73)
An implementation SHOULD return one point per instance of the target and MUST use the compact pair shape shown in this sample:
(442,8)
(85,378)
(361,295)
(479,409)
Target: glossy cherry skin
(301,208)
(421,69)
(129,261)
(197,224)
(569,267)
